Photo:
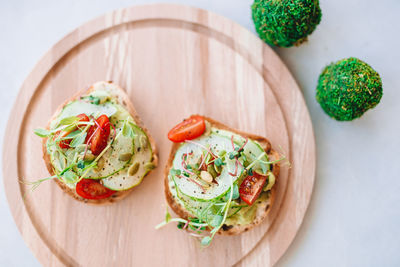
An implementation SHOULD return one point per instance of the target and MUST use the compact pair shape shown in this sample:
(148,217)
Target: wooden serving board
(173,61)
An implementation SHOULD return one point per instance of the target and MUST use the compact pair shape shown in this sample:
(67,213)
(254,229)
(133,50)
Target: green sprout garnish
(81,164)
(218,162)
(42,132)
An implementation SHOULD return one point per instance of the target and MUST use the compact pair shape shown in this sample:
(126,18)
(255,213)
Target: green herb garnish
(218,162)
(69,120)
(70,176)
(42,132)
(81,164)
(216,220)
(206,241)
(235,194)
(78,139)
(232,155)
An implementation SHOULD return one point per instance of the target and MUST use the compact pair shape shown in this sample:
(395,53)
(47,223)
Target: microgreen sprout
(231,155)
(42,132)
(256,160)
(81,164)
(236,169)
(206,241)
(219,162)
(35,184)
(186,167)
(179,220)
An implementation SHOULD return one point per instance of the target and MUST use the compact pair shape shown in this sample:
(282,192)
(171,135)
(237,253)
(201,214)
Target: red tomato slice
(65,143)
(99,139)
(251,187)
(188,129)
(83,117)
(92,189)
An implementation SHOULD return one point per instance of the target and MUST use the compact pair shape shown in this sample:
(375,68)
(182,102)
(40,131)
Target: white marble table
(354,215)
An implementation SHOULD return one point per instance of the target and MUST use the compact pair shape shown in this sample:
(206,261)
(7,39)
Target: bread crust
(123,100)
(262,210)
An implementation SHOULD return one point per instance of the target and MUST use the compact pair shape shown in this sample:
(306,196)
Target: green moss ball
(285,22)
(348,88)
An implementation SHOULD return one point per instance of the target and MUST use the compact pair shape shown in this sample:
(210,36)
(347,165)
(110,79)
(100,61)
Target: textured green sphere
(285,22)
(348,88)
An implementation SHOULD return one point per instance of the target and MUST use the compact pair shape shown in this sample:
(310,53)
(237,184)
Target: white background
(354,214)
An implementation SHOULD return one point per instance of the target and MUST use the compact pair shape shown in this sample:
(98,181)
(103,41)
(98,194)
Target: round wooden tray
(173,61)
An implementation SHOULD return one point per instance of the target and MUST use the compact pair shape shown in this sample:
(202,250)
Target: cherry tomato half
(65,143)
(188,129)
(251,187)
(92,189)
(99,139)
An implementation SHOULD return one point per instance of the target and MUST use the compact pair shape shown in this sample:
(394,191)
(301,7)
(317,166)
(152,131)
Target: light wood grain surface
(173,61)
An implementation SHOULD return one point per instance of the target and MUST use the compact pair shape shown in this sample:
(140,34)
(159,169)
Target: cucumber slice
(112,163)
(196,207)
(251,150)
(189,188)
(237,139)
(143,155)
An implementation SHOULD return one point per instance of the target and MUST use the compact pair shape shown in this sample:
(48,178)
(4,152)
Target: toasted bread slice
(123,100)
(262,208)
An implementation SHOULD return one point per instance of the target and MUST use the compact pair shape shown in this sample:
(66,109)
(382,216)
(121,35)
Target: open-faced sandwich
(217,179)
(95,146)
